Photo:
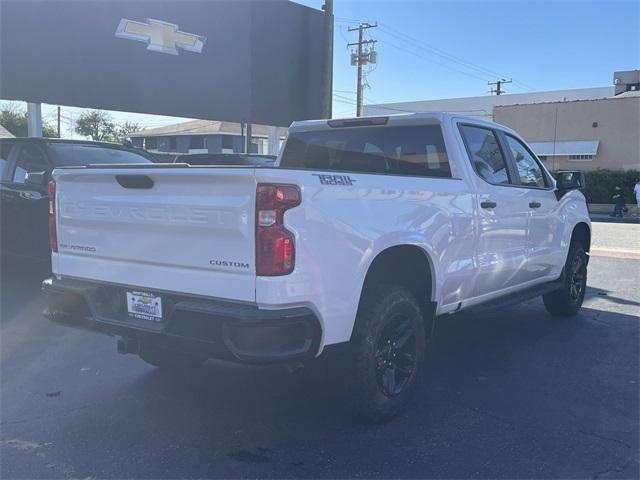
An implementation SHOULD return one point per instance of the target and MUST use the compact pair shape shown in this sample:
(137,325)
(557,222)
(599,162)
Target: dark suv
(25,169)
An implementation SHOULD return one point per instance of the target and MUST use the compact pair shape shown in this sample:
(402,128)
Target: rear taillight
(275,245)
(53,238)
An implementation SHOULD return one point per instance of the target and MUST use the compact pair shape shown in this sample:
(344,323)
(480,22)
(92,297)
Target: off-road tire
(170,360)
(566,301)
(381,308)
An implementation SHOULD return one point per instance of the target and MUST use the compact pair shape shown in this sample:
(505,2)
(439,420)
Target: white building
(483,106)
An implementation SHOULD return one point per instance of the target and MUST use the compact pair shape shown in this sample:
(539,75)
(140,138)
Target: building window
(196,142)
(172,144)
(227,141)
(580,157)
(262,145)
(151,143)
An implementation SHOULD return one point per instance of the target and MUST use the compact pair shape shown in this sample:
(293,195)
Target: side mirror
(39,179)
(570,180)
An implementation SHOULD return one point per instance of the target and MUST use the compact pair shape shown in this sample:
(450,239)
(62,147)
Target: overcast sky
(443,49)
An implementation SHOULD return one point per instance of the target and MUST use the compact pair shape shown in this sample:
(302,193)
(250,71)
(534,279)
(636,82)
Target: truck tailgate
(188,230)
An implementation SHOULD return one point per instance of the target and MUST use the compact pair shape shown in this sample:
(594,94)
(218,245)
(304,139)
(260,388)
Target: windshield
(71,154)
(404,150)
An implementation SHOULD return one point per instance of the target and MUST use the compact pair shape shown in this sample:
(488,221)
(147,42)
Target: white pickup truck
(365,231)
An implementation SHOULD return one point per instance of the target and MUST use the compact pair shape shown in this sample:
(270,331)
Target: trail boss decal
(335,179)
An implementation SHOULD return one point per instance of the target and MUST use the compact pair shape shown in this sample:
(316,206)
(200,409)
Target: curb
(608,219)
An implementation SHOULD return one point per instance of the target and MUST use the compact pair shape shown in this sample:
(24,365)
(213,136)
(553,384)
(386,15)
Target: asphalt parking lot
(509,394)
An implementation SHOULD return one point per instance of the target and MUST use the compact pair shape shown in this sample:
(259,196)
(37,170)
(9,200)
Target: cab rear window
(402,150)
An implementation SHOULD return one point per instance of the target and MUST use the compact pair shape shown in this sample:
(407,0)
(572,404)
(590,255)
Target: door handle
(535,204)
(488,204)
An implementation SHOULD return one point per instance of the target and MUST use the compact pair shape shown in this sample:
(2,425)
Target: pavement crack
(602,437)
(616,469)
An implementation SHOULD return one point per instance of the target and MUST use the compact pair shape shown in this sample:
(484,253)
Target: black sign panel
(242,61)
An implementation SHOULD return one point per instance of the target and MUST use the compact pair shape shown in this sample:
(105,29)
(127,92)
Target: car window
(403,150)
(485,154)
(30,159)
(529,170)
(70,154)
(5,151)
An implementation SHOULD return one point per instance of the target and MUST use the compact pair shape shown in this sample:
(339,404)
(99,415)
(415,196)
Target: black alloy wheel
(396,356)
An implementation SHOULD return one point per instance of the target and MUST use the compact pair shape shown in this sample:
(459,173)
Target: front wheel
(566,301)
(388,347)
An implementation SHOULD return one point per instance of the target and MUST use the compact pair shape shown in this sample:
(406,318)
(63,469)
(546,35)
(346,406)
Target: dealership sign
(257,61)
(160,36)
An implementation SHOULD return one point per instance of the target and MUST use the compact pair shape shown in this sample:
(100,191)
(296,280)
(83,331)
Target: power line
(437,51)
(479,69)
(411,52)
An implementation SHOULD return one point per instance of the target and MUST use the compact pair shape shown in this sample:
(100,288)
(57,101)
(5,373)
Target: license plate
(144,306)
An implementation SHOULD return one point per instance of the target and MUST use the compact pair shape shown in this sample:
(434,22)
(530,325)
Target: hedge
(601,184)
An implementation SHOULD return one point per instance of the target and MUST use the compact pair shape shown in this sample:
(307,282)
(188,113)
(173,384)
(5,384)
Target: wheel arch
(406,265)
(582,233)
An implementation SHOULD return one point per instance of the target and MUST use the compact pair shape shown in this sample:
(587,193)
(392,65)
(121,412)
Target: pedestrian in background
(636,193)
(618,202)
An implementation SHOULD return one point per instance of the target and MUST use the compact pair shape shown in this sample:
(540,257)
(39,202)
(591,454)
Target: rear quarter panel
(340,229)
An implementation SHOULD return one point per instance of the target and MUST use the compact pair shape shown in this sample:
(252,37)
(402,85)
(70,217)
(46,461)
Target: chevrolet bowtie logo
(160,36)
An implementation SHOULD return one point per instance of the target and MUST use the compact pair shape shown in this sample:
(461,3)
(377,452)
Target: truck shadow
(484,351)
(515,373)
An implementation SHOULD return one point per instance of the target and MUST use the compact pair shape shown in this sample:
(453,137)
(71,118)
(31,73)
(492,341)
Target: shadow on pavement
(511,393)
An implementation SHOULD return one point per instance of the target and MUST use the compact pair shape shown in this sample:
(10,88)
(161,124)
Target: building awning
(563,148)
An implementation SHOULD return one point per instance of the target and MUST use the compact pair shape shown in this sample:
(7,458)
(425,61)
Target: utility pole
(59,121)
(362,58)
(498,84)
(327,67)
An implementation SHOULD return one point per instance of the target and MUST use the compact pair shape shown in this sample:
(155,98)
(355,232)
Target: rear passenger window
(403,150)
(485,154)
(528,168)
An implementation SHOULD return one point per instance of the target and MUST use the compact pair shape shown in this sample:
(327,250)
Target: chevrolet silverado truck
(363,233)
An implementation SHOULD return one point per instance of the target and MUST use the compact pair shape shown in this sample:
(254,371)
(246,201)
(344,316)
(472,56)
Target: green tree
(124,130)
(97,125)
(14,119)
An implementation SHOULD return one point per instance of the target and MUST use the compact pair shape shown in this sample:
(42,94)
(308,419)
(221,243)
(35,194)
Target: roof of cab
(394,119)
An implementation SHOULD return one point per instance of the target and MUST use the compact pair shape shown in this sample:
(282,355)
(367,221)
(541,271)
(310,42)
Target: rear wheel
(166,359)
(388,347)
(566,301)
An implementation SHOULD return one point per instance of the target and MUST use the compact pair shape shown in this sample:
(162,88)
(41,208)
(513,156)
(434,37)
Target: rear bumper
(224,330)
